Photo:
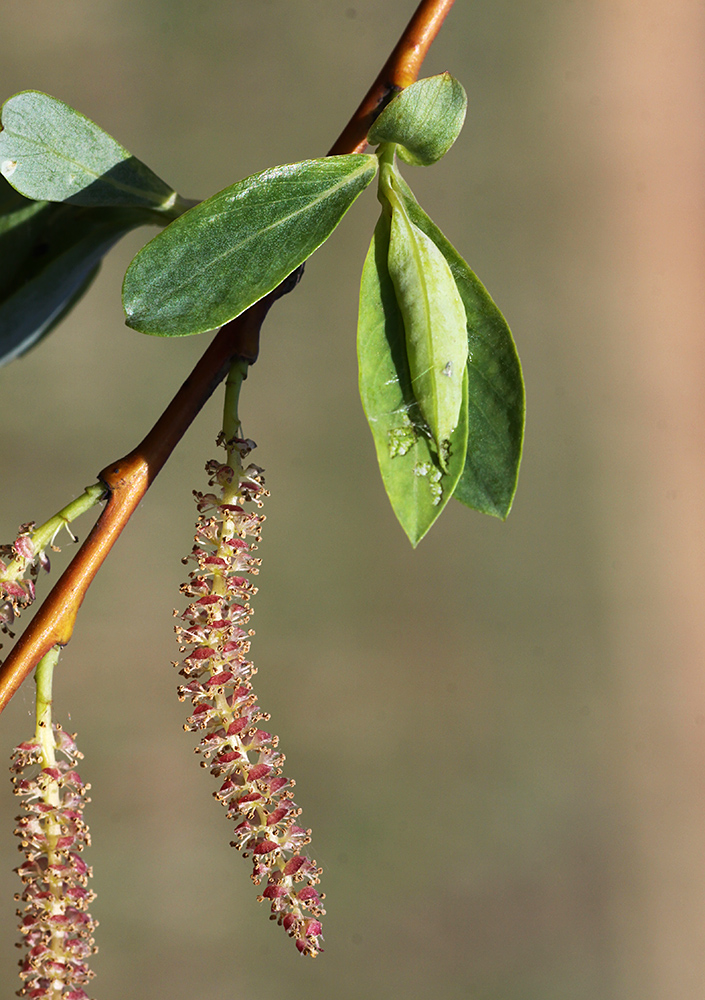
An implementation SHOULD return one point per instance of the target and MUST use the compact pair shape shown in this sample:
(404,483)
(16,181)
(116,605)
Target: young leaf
(50,152)
(495,385)
(417,487)
(231,250)
(49,254)
(425,119)
(433,315)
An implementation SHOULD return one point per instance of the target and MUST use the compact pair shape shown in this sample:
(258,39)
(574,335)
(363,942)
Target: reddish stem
(401,69)
(129,478)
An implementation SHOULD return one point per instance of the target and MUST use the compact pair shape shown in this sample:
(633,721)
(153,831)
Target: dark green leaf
(231,250)
(49,254)
(20,222)
(50,152)
(495,386)
(425,119)
(416,485)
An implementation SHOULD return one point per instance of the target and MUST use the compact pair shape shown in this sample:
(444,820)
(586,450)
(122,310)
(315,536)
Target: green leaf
(495,385)
(417,487)
(425,119)
(433,315)
(20,222)
(49,255)
(50,152)
(231,250)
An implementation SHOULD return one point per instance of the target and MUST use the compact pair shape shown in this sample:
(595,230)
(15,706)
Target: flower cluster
(55,923)
(20,564)
(242,756)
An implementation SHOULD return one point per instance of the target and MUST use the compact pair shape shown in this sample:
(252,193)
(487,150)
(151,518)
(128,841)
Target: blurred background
(498,739)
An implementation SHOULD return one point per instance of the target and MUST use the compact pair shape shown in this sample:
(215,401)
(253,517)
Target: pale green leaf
(231,250)
(50,152)
(425,119)
(416,484)
(433,315)
(495,385)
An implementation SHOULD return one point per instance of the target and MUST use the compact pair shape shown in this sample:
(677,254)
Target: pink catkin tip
(220,679)
(293,864)
(274,892)
(258,771)
(265,847)
(202,653)
(308,894)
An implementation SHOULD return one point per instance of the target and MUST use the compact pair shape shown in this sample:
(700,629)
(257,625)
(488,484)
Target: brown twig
(129,478)
(401,69)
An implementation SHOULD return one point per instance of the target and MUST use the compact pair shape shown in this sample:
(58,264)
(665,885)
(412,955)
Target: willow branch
(401,69)
(128,479)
